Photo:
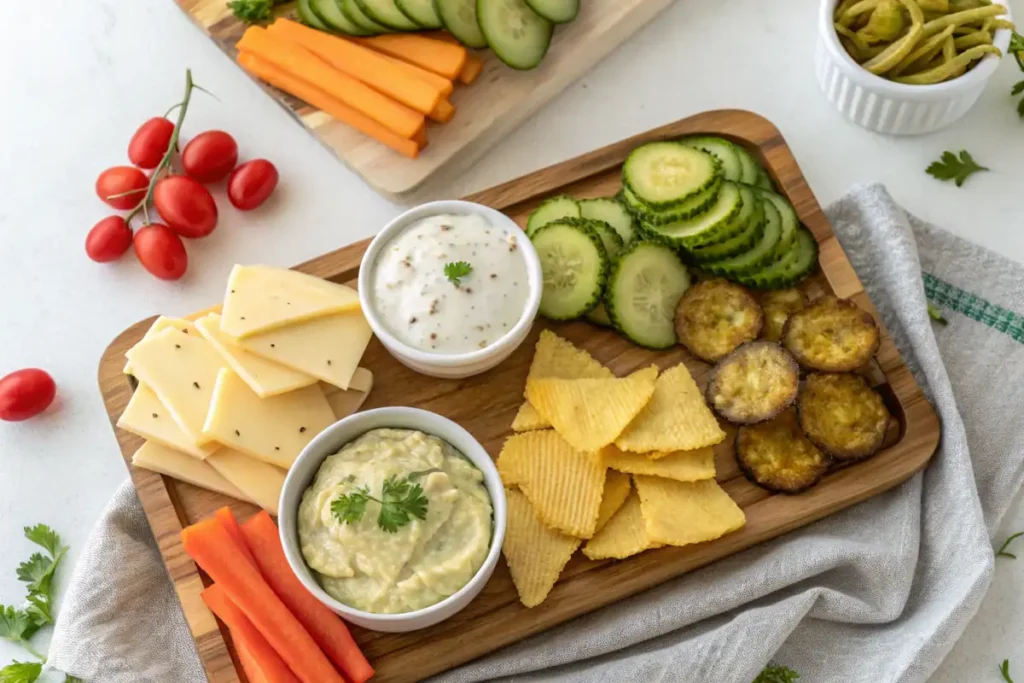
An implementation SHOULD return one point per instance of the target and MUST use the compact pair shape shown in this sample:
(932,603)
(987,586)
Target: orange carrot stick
(264,70)
(443,113)
(444,86)
(303,64)
(251,666)
(471,70)
(369,66)
(211,547)
(227,519)
(438,56)
(327,629)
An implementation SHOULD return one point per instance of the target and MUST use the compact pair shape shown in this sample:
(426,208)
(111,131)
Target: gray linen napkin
(879,592)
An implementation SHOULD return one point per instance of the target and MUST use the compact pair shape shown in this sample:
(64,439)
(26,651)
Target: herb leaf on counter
(400,501)
(776,674)
(251,11)
(950,167)
(1004,669)
(21,672)
(457,270)
(1003,552)
(935,314)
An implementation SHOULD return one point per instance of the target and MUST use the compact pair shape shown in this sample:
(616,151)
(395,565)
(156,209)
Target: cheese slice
(328,348)
(275,429)
(259,482)
(345,402)
(181,369)
(159,458)
(261,298)
(205,312)
(265,377)
(147,417)
(159,325)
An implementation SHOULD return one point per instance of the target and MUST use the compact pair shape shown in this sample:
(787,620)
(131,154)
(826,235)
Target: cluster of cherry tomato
(185,207)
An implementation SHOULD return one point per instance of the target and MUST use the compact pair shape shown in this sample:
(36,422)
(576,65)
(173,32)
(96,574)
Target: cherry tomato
(108,239)
(210,156)
(251,183)
(186,206)
(25,394)
(119,180)
(150,142)
(160,251)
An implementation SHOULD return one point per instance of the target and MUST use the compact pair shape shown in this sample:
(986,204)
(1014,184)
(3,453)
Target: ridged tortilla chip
(678,513)
(528,419)
(616,488)
(591,413)
(535,553)
(676,419)
(694,465)
(624,535)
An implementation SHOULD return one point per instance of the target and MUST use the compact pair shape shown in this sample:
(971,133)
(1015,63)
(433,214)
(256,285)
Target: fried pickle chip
(842,415)
(681,465)
(831,335)
(754,383)
(676,419)
(777,456)
(616,487)
(716,316)
(624,535)
(777,307)
(535,553)
(678,513)
(556,357)
(591,413)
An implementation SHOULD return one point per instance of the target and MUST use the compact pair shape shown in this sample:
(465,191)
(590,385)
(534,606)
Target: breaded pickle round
(777,456)
(777,307)
(716,316)
(842,415)
(754,383)
(831,335)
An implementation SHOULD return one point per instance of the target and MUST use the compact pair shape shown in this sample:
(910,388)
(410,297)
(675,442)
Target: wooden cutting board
(486,405)
(500,100)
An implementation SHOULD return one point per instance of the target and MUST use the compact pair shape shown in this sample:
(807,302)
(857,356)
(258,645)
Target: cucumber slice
(703,229)
(518,36)
(644,288)
(666,174)
(420,12)
(308,17)
(611,240)
(386,13)
(599,316)
(789,221)
(556,11)
(721,149)
(749,164)
(743,241)
(575,268)
(357,16)
(764,181)
(329,13)
(797,264)
(760,254)
(613,212)
(551,210)
(459,17)
(751,210)
(697,204)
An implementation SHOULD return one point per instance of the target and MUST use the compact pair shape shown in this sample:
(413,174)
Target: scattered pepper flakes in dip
(451,284)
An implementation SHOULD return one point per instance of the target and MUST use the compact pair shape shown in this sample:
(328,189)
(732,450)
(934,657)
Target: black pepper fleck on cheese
(328,361)
(238,433)
(301,430)
(277,448)
(177,346)
(195,384)
(155,416)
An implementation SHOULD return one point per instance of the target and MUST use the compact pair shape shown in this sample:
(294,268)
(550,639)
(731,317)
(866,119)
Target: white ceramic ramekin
(330,441)
(894,108)
(462,364)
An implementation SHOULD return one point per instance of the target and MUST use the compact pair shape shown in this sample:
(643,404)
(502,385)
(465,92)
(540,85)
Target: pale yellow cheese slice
(181,369)
(265,377)
(274,429)
(345,402)
(259,482)
(159,325)
(261,298)
(167,461)
(329,348)
(147,417)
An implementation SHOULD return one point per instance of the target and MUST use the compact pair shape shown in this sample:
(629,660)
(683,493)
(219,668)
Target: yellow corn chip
(616,488)
(623,536)
(591,413)
(676,419)
(680,465)
(678,513)
(535,553)
(559,358)
(513,451)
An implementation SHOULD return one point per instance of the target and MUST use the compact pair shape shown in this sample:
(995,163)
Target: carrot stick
(211,547)
(326,628)
(283,80)
(227,519)
(369,66)
(443,113)
(438,56)
(304,65)
(444,86)
(249,642)
(471,70)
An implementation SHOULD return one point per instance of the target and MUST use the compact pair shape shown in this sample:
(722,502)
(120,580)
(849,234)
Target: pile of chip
(617,465)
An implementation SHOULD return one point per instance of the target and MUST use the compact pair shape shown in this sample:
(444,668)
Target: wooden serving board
(486,405)
(500,100)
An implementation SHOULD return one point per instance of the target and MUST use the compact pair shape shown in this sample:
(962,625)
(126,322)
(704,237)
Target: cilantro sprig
(776,674)
(252,11)
(1017,50)
(935,314)
(400,500)
(1003,552)
(457,270)
(957,169)
(1004,669)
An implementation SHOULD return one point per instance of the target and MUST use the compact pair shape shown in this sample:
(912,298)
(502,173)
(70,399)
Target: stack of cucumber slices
(518,31)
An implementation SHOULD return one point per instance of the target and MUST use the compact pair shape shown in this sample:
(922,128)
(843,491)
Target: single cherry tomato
(210,156)
(150,142)
(186,206)
(127,181)
(161,251)
(251,183)
(25,394)
(108,239)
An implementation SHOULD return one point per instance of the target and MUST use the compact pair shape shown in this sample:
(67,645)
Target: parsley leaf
(1017,48)
(44,536)
(456,271)
(16,625)
(36,571)
(1004,669)
(349,508)
(21,672)
(251,11)
(776,674)
(952,168)
(1018,88)
(935,314)
(1003,552)
(400,501)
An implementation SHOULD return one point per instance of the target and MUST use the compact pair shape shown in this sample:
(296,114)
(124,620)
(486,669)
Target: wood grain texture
(500,99)
(486,405)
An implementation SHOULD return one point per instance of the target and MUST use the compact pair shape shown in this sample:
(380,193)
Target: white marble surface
(77,77)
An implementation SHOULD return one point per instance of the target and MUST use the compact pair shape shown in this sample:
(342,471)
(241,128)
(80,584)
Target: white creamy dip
(429,311)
